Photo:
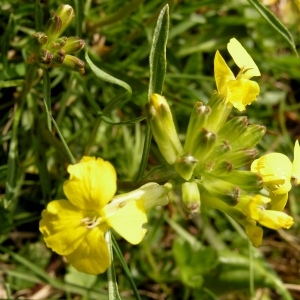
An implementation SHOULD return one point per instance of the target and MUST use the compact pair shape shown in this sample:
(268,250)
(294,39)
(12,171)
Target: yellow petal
(296,163)
(128,220)
(223,74)
(252,207)
(91,256)
(242,92)
(242,58)
(276,170)
(275,219)
(92,183)
(62,227)
(278,202)
(255,234)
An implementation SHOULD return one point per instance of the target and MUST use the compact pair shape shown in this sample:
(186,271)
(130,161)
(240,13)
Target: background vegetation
(206,257)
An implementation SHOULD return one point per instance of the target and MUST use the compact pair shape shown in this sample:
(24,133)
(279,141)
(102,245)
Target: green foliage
(102,113)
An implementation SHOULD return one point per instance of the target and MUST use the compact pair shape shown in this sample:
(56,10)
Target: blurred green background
(206,257)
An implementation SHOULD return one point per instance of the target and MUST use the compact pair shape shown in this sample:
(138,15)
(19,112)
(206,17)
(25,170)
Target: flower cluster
(54,50)
(215,149)
(210,165)
(75,227)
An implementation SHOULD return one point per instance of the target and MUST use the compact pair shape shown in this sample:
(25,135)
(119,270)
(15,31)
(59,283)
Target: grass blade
(275,23)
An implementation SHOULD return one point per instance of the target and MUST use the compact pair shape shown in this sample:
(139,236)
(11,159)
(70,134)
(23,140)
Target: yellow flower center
(92,220)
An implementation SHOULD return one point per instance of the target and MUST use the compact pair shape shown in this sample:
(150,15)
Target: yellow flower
(76,228)
(255,208)
(277,171)
(240,90)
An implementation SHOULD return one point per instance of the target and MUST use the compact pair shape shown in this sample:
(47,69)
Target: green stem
(125,267)
(113,293)
(47,97)
(92,136)
(72,159)
(251,271)
(146,150)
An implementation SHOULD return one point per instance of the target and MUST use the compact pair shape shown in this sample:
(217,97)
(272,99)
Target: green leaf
(275,23)
(193,262)
(158,53)
(125,267)
(106,77)
(79,278)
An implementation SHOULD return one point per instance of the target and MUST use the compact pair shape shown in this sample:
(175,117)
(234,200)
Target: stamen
(91,222)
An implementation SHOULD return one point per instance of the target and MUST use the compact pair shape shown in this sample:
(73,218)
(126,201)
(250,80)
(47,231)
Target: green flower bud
(45,57)
(71,63)
(40,38)
(197,121)
(250,137)
(59,21)
(220,110)
(185,166)
(57,44)
(163,128)
(225,191)
(221,169)
(73,44)
(233,129)
(239,158)
(191,197)
(59,57)
(246,180)
(204,143)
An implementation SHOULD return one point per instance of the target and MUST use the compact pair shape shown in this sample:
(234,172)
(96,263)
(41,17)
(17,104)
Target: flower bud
(250,137)
(163,128)
(233,129)
(239,158)
(59,21)
(185,166)
(72,63)
(246,180)
(204,143)
(57,44)
(40,38)
(197,121)
(59,57)
(73,44)
(223,190)
(45,57)
(220,110)
(191,197)
(221,169)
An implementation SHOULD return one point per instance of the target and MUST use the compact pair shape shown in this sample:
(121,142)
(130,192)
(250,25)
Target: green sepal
(191,197)
(197,121)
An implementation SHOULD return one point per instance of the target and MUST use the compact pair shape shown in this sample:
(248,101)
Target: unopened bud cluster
(215,165)
(54,50)
(213,151)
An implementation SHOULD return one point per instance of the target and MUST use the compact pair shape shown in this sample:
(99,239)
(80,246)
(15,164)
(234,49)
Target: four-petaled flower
(277,171)
(76,228)
(239,90)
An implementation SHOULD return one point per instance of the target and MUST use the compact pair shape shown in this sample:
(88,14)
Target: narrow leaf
(106,77)
(158,53)
(275,23)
